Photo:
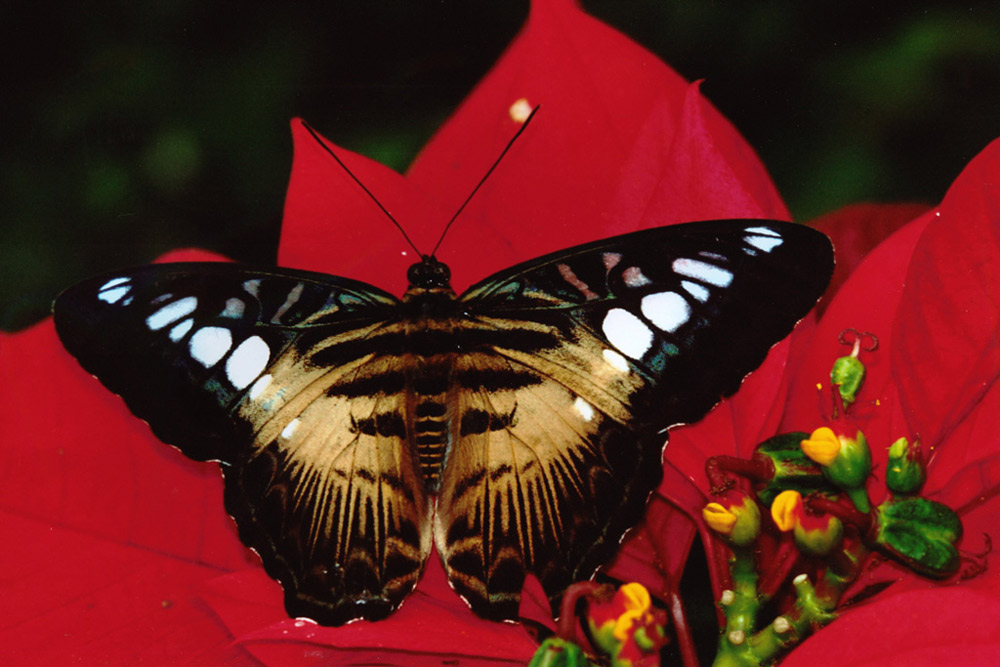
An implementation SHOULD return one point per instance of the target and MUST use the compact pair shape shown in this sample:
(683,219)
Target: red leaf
(855,231)
(688,164)
(930,295)
(431,623)
(82,461)
(959,466)
(867,302)
(70,597)
(947,330)
(655,552)
(947,625)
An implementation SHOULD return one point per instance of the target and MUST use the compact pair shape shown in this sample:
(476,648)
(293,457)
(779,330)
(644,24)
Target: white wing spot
(584,408)
(765,243)
(259,386)
(611,259)
(209,344)
(180,330)
(616,360)
(293,296)
(634,277)
(172,312)
(114,282)
(703,271)
(762,231)
(289,430)
(247,361)
(114,294)
(234,308)
(252,286)
(667,310)
(699,292)
(627,332)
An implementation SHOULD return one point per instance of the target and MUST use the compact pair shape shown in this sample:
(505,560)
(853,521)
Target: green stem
(810,612)
(740,606)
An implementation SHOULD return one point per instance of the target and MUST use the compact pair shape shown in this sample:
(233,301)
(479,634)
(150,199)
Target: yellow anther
(719,518)
(785,510)
(822,446)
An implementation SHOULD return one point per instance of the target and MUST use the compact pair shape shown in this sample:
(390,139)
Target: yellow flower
(737,518)
(719,518)
(822,446)
(635,599)
(786,510)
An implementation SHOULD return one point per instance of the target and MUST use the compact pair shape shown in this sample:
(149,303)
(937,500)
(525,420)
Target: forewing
(624,338)
(219,359)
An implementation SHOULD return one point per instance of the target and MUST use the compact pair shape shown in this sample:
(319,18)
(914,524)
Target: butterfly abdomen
(430,429)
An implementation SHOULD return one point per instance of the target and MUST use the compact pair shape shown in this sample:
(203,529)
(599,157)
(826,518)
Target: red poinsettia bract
(117,548)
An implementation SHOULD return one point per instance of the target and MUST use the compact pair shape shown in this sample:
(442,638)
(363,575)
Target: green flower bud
(557,652)
(846,461)
(847,375)
(905,474)
(737,519)
(818,535)
(853,464)
(814,535)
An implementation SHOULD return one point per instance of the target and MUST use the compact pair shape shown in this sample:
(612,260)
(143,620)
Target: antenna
(361,185)
(461,208)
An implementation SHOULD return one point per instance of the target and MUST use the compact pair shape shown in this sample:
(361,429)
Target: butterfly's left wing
(270,372)
(561,423)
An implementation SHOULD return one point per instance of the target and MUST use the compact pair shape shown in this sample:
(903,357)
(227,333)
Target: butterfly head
(429,274)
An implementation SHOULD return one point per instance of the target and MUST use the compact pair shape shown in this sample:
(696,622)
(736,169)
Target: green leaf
(920,533)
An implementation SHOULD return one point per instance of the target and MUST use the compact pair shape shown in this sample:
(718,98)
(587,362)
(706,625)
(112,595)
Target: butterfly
(518,428)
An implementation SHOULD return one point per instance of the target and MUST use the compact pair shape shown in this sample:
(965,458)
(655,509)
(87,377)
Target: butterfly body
(517,427)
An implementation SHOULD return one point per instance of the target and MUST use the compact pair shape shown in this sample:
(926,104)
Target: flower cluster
(834,527)
(156,573)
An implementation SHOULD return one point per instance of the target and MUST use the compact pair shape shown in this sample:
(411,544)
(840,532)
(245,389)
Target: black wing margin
(182,343)
(693,308)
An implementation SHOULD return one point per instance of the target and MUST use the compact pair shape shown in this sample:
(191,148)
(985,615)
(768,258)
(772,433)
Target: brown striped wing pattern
(545,473)
(519,427)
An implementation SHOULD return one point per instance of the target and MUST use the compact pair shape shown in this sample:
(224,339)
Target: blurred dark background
(133,128)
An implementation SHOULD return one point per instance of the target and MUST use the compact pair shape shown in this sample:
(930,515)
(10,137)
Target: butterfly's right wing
(266,371)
